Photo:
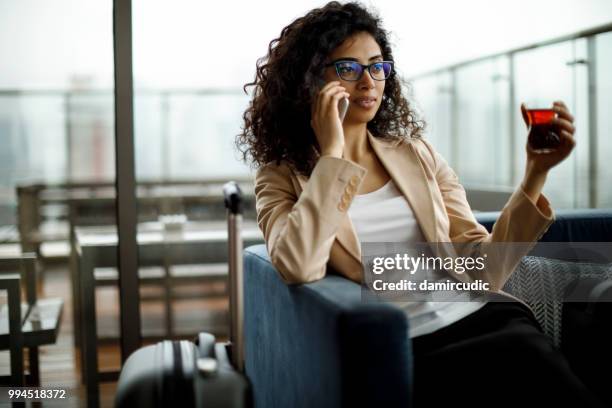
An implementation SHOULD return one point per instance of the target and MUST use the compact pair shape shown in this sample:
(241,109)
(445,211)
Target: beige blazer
(307,229)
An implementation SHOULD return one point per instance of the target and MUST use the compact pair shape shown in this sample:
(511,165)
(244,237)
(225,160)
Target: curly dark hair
(277,121)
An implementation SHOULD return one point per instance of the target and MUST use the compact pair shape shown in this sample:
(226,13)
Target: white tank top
(385,215)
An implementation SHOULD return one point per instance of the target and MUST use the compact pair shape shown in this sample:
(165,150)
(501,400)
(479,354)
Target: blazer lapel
(404,166)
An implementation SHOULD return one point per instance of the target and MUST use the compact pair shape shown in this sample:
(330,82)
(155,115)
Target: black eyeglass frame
(363,69)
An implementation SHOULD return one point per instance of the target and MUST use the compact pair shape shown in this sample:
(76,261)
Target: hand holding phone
(329,108)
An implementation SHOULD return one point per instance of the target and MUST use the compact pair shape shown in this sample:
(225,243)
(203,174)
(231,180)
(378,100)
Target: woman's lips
(365,102)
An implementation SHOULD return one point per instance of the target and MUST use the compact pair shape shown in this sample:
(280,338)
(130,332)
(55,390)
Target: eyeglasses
(353,71)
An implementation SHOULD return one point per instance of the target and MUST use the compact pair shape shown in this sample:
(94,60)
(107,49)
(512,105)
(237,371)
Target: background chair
(319,345)
(30,324)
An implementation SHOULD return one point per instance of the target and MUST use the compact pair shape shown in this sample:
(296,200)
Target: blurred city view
(59,131)
(58,137)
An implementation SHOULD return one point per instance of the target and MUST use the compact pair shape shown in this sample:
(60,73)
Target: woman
(322,183)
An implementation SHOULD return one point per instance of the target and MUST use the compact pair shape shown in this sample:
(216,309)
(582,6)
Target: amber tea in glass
(542,135)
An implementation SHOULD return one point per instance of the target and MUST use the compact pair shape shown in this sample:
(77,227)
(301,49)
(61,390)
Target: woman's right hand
(325,120)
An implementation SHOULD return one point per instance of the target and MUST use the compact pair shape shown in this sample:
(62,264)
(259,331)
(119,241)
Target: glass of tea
(542,135)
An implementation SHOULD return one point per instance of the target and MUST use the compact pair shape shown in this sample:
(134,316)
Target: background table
(196,243)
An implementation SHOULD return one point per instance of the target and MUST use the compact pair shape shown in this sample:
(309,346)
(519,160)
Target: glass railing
(473,116)
(68,136)
(472,111)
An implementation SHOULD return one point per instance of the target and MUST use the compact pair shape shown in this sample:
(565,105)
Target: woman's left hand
(563,125)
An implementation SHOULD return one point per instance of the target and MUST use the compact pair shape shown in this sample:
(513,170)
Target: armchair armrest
(318,345)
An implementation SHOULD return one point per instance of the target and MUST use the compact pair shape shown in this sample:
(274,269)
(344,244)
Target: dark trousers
(495,357)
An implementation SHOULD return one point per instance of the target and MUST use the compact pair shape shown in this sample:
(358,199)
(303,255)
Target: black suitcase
(204,373)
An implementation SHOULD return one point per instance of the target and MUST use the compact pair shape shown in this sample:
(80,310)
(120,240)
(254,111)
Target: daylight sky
(183,43)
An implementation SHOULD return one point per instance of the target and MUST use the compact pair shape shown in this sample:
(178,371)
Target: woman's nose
(366,81)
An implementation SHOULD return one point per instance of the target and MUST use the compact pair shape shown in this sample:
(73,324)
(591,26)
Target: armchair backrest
(581,225)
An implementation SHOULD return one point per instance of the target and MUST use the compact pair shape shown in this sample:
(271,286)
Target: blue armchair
(318,345)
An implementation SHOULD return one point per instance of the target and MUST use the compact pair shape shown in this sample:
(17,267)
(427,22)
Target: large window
(56,106)
(433,96)
(33,145)
(482,123)
(483,133)
(603,150)
(549,73)
(56,130)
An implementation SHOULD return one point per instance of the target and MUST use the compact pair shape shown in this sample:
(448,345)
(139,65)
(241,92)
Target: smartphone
(342,108)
